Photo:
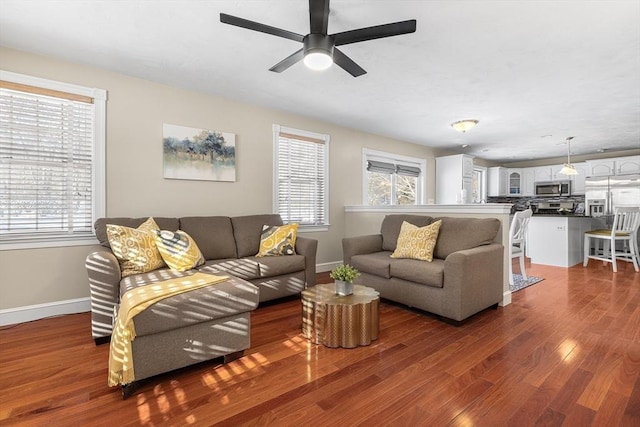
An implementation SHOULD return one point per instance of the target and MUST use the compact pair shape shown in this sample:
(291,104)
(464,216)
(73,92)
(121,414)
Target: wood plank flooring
(566,352)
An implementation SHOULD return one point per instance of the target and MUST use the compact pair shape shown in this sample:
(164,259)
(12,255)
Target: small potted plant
(344,275)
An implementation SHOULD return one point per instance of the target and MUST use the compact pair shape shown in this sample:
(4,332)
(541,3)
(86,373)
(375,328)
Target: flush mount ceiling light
(464,125)
(568,168)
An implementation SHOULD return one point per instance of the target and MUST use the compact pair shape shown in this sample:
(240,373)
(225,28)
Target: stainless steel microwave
(553,188)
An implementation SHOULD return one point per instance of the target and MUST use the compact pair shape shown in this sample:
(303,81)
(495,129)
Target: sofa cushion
(100,225)
(200,305)
(212,234)
(391,224)
(247,231)
(425,273)
(277,265)
(277,240)
(178,250)
(376,263)
(135,248)
(245,268)
(457,234)
(417,242)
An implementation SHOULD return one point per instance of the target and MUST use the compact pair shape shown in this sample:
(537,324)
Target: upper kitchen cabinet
(578,182)
(497,181)
(543,173)
(556,175)
(613,166)
(528,181)
(454,179)
(515,182)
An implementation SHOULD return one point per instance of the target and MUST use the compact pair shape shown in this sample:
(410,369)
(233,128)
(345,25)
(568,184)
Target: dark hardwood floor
(565,352)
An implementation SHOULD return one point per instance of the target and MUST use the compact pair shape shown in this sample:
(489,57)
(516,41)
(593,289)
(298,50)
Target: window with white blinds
(51,161)
(391,179)
(301,177)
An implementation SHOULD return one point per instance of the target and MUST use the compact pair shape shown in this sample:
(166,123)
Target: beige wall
(136,110)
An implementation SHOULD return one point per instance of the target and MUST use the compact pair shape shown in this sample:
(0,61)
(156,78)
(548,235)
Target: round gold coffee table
(340,321)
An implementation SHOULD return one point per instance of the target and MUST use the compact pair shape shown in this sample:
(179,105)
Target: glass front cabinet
(515,182)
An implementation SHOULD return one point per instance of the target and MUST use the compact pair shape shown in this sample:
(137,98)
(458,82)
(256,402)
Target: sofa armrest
(308,248)
(360,245)
(473,280)
(104,274)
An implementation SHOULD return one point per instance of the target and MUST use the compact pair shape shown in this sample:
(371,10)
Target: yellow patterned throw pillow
(417,242)
(278,240)
(135,248)
(178,250)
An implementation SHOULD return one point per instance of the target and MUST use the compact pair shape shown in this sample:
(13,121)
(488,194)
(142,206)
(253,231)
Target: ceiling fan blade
(319,16)
(288,61)
(375,32)
(347,63)
(256,26)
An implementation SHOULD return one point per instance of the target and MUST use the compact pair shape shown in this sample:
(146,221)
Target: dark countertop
(567,215)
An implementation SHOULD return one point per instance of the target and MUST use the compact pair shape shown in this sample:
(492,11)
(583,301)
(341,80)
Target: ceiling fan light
(568,169)
(318,60)
(464,125)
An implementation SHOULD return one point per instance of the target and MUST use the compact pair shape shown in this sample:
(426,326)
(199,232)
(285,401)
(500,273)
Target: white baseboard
(327,266)
(28,313)
(506,298)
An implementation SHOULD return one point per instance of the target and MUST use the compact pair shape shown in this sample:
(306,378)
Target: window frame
(397,159)
(98,163)
(277,130)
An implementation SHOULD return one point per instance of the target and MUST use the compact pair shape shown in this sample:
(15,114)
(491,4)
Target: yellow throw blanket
(134,302)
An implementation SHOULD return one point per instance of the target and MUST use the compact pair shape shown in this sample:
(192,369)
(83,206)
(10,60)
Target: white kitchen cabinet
(557,240)
(556,175)
(614,166)
(578,182)
(497,178)
(515,182)
(543,173)
(602,167)
(528,181)
(467,166)
(453,175)
(627,165)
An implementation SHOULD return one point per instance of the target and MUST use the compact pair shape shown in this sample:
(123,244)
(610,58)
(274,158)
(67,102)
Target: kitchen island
(557,240)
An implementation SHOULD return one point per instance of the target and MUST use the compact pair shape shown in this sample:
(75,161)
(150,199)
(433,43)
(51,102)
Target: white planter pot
(343,288)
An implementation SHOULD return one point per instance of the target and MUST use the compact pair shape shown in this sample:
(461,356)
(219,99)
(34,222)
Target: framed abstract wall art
(198,154)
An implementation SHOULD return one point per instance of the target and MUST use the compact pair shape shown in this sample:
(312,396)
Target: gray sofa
(465,277)
(205,323)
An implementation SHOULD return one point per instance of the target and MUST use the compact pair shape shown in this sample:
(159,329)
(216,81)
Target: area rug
(520,283)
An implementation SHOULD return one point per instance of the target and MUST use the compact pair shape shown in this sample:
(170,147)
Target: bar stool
(518,240)
(625,229)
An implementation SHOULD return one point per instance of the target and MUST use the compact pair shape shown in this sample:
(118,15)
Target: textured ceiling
(532,72)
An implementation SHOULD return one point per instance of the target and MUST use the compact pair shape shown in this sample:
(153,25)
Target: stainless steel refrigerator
(604,193)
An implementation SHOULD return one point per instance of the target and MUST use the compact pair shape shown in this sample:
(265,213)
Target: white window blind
(47,164)
(300,185)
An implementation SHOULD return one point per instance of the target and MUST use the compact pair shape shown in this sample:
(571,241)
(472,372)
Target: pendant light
(568,168)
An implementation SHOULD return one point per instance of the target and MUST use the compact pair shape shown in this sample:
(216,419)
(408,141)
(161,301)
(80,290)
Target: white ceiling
(532,72)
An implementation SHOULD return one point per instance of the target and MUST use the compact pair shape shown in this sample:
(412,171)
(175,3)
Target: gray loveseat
(465,277)
(205,323)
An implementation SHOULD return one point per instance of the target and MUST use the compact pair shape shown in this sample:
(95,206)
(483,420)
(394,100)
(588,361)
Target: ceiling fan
(319,49)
